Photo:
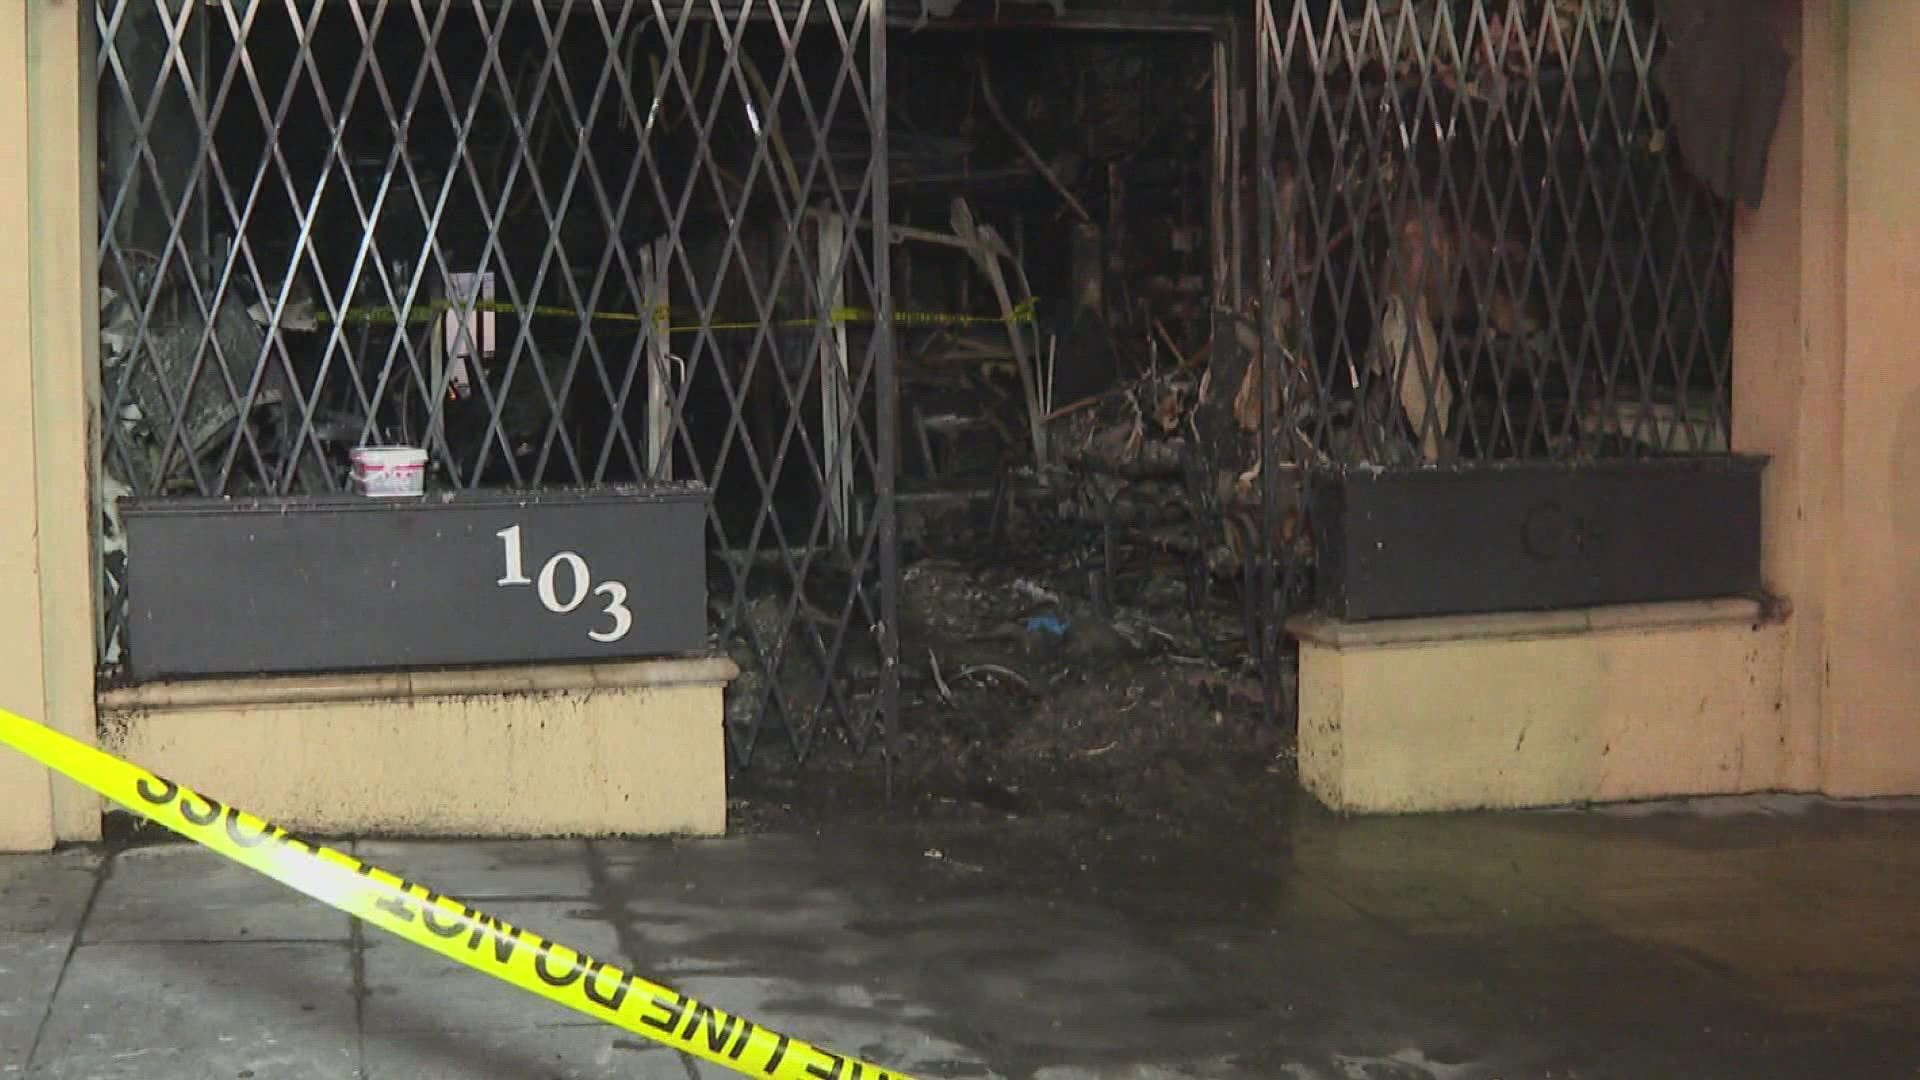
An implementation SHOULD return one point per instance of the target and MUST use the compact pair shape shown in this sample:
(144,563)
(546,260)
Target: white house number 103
(576,583)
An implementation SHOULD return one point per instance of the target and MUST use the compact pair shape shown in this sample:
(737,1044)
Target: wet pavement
(1775,937)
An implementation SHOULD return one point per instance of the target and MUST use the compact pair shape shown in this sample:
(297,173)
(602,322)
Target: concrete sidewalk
(1762,939)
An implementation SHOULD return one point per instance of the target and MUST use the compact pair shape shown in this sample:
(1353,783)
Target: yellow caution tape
(440,924)
(1024,312)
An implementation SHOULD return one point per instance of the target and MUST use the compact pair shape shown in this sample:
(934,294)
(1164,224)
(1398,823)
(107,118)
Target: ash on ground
(1036,682)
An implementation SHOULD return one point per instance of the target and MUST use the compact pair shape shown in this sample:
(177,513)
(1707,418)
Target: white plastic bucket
(386,472)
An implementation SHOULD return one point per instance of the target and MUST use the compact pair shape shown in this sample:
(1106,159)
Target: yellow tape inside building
(407,910)
(1024,312)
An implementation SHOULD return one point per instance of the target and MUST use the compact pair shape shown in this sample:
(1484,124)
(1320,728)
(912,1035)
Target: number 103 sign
(346,583)
(564,583)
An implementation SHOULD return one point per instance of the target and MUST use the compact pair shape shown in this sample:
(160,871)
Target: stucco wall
(66,377)
(1873,701)
(48,310)
(26,800)
(595,750)
(1788,357)
(1827,379)
(1543,710)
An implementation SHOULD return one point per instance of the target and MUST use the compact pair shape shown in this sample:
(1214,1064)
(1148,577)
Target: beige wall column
(26,798)
(1789,353)
(1827,379)
(66,315)
(1873,621)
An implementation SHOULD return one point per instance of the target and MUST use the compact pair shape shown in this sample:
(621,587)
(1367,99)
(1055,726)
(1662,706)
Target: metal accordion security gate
(1479,245)
(588,243)
(556,243)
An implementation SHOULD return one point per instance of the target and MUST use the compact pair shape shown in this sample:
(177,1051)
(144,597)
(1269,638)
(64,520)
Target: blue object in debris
(1049,624)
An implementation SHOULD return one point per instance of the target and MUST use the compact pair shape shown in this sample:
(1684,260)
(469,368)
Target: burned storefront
(1033,364)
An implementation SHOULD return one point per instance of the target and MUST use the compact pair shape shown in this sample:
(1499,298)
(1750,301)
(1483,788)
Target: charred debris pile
(1090,468)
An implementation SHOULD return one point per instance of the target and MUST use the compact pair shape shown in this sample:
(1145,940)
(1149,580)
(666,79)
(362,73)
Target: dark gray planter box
(347,583)
(1532,536)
